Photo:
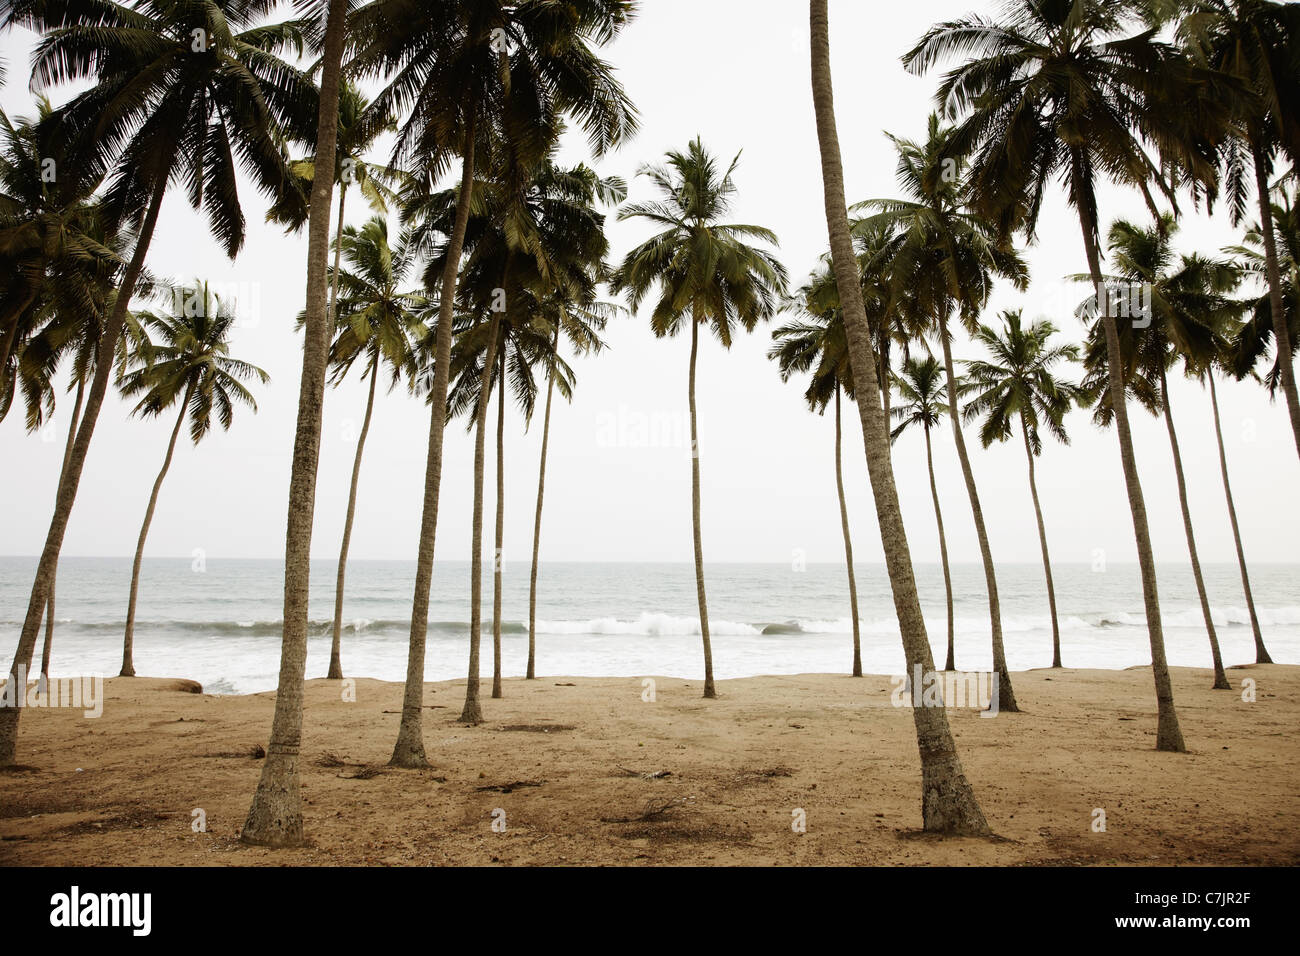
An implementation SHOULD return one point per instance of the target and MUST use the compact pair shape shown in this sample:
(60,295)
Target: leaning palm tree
(948,803)
(1185,297)
(155,114)
(1253,338)
(1018,383)
(1065,90)
(816,344)
(1228,331)
(942,257)
(706,272)
(378,323)
(921,384)
(455,66)
(184,361)
(1257,43)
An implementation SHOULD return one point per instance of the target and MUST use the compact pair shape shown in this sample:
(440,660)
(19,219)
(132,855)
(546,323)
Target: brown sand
(562,757)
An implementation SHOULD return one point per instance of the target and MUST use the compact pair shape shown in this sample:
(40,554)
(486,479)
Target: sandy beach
(584,771)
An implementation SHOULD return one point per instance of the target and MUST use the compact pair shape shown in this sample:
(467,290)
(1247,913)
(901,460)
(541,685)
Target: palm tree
(1207,378)
(1185,295)
(943,256)
(1257,43)
(817,344)
(156,113)
(1019,383)
(921,384)
(359,129)
(379,324)
(581,322)
(275,815)
(706,272)
(1059,90)
(449,64)
(184,362)
(1253,338)
(948,803)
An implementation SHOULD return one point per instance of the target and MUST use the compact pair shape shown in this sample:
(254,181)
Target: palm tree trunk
(49,605)
(336,663)
(1042,540)
(537,521)
(1220,678)
(338,253)
(950,664)
(1169,735)
(1006,695)
(128,640)
(848,540)
(408,751)
(472,712)
(275,815)
(71,478)
(709,690)
(1280,329)
(1261,652)
(948,803)
(500,529)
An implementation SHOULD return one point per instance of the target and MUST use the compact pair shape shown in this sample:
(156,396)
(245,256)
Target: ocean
(218,621)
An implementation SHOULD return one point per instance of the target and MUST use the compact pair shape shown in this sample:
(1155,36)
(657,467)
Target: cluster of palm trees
(499,260)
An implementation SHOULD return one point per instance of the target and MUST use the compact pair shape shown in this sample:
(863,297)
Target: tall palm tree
(157,113)
(580,321)
(1256,42)
(706,271)
(379,324)
(1063,89)
(1207,378)
(943,257)
(275,814)
(816,343)
(183,362)
(1253,338)
(448,64)
(921,384)
(359,129)
(1019,383)
(1184,299)
(948,803)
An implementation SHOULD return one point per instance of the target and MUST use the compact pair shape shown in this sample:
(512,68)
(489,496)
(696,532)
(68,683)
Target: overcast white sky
(737,73)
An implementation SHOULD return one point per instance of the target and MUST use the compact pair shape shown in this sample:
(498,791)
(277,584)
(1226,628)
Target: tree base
(472,714)
(1221,684)
(275,818)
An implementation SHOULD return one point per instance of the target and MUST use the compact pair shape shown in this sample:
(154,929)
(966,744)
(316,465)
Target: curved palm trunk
(275,815)
(1042,540)
(848,541)
(49,605)
(128,641)
(336,664)
(1220,678)
(1006,695)
(1169,735)
(472,712)
(948,803)
(537,521)
(709,690)
(408,751)
(1280,329)
(500,529)
(71,477)
(950,664)
(1261,652)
